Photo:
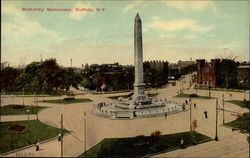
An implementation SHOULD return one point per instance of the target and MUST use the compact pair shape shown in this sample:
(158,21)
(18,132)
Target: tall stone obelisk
(138,61)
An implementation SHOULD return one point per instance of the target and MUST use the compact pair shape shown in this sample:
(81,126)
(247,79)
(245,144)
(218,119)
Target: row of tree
(39,77)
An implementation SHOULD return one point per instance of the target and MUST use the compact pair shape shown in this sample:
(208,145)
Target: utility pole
(85,137)
(190,103)
(71,62)
(43,89)
(223,109)
(36,103)
(61,135)
(23,96)
(216,119)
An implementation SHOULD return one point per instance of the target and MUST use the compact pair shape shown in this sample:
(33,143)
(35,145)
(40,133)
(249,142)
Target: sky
(172,31)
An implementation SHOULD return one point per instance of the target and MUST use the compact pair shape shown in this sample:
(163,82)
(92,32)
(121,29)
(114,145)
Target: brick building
(207,73)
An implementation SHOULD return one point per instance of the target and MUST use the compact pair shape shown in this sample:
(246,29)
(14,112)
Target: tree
(226,73)
(9,78)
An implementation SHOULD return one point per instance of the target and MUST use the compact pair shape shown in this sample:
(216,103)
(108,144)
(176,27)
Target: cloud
(189,37)
(193,5)
(19,27)
(131,6)
(79,15)
(176,25)
(167,36)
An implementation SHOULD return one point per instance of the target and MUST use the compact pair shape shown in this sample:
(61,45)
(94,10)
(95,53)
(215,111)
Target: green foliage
(188,69)
(68,101)
(194,95)
(141,145)
(36,130)
(226,74)
(242,123)
(37,77)
(126,96)
(9,78)
(15,109)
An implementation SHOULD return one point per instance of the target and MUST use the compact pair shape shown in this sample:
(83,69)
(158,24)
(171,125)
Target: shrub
(69,98)
(155,136)
(193,95)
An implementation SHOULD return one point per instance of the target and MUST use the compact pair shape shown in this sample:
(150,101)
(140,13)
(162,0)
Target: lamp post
(43,89)
(209,86)
(190,117)
(223,109)
(216,121)
(23,96)
(85,137)
(61,135)
(28,111)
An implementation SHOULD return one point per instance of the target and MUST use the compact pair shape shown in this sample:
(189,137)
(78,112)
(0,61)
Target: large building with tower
(207,74)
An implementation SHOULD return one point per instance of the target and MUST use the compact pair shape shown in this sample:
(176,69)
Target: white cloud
(189,36)
(193,5)
(175,25)
(78,15)
(19,27)
(167,36)
(131,6)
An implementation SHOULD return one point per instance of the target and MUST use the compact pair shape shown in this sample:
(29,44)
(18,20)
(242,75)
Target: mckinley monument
(140,104)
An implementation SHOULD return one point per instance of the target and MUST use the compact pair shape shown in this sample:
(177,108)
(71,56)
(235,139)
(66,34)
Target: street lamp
(43,89)
(190,105)
(216,121)
(23,96)
(85,140)
(209,86)
(223,109)
(28,111)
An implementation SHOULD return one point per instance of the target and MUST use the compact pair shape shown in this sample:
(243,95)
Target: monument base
(128,109)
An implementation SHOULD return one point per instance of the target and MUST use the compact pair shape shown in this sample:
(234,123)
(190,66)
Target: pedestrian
(59,137)
(182,143)
(37,145)
(186,101)
(183,107)
(195,105)
(205,112)
(165,115)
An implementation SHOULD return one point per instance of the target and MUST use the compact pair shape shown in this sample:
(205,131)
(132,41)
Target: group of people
(37,145)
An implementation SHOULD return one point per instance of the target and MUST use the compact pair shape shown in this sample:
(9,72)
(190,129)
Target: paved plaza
(230,144)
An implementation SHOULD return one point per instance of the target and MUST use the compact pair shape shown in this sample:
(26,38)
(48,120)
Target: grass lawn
(221,89)
(15,109)
(141,145)
(242,123)
(243,104)
(62,101)
(188,95)
(126,96)
(36,130)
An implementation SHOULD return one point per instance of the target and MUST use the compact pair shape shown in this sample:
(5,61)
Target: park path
(99,128)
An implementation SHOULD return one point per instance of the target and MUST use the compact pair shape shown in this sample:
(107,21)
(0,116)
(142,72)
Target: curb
(29,146)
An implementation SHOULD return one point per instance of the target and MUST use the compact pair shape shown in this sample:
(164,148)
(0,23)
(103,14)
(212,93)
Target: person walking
(37,145)
(182,143)
(205,112)
(166,115)
(195,105)
(59,137)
